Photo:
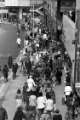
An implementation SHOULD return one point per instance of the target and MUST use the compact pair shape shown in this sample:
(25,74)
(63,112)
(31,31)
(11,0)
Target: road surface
(8,45)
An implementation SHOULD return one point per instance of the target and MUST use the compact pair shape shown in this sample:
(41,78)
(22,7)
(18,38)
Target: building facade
(50,7)
(3,10)
(16,7)
(21,5)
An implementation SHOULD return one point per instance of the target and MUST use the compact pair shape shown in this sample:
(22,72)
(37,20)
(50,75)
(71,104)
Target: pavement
(8,90)
(59,92)
(69,33)
(9,100)
(8,93)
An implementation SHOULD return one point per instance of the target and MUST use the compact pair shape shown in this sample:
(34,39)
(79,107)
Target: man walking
(18,42)
(3,113)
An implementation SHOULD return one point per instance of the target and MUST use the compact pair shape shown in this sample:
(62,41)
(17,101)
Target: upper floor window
(2,0)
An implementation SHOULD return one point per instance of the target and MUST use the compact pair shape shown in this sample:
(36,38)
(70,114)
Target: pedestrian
(57,115)
(58,76)
(28,66)
(47,72)
(24,92)
(10,61)
(5,72)
(19,98)
(3,113)
(49,107)
(19,114)
(31,83)
(41,101)
(51,64)
(14,70)
(18,42)
(32,101)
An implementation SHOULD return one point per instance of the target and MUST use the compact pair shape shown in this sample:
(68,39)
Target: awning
(12,13)
(3,11)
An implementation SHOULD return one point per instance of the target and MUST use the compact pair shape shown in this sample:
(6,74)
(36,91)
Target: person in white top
(41,101)
(44,36)
(32,100)
(31,83)
(40,31)
(18,42)
(67,90)
(49,103)
(26,42)
(18,102)
(19,98)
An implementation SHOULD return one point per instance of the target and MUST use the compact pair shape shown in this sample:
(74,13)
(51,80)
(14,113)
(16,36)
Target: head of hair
(48,96)
(40,94)
(18,91)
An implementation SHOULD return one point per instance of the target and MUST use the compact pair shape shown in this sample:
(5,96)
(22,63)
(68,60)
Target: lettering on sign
(77,85)
(67,5)
(78,20)
(2,4)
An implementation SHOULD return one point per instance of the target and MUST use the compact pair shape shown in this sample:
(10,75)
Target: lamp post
(33,19)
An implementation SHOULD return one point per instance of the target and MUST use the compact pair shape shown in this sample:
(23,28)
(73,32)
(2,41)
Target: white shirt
(49,104)
(18,41)
(19,102)
(32,100)
(39,31)
(68,90)
(25,43)
(44,36)
(30,83)
(41,101)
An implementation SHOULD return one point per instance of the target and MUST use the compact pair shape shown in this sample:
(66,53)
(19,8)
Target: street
(8,44)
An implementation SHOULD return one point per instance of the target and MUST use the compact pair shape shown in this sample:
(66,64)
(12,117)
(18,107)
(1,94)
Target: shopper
(18,41)
(3,113)
(10,61)
(19,114)
(5,72)
(14,70)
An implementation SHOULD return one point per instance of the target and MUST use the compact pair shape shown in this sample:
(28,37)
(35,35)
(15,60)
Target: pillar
(20,13)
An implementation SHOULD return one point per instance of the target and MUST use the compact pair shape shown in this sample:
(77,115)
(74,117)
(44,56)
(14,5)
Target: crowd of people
(42,63)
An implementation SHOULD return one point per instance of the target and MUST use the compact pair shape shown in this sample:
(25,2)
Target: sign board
(78,19)
(3,11)
(14,3)
(77,85)
(67,5)
(77,4)
(2,4)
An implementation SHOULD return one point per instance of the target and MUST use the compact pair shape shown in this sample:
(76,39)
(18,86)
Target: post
(33,19)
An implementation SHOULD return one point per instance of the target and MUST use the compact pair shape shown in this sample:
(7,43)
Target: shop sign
(67,5)
(2,4)
(77,85)
(78,20)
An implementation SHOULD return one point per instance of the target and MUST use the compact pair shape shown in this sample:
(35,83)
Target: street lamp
(33,19)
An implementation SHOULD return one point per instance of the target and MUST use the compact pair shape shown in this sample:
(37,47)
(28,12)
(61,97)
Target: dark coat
(57,116)
(19,115)
(3,114)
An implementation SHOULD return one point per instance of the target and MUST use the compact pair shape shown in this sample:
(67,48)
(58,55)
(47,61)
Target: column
(20,13)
